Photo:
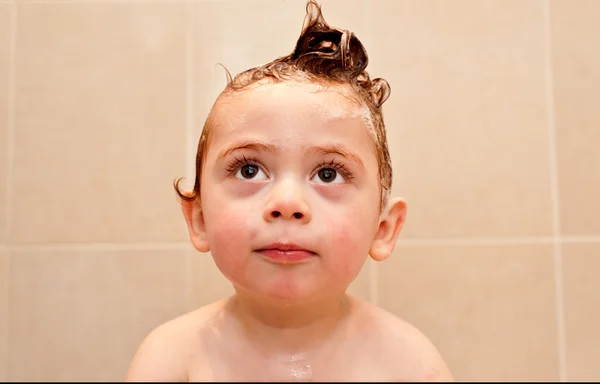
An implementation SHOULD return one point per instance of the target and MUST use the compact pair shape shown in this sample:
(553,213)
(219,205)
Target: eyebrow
(332,149)
(248,145)
(337,149)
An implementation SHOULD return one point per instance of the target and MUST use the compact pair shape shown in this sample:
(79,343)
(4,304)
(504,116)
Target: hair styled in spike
(323,55)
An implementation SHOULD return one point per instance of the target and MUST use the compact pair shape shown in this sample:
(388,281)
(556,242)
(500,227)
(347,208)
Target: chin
(286,293)
(282,292)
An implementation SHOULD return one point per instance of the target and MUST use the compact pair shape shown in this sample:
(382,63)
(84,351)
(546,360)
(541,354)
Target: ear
(194,218)
(389,229)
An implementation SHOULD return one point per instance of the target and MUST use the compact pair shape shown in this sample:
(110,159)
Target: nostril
(296,215)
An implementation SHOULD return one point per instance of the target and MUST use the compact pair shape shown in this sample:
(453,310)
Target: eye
(328,176)
(250,172)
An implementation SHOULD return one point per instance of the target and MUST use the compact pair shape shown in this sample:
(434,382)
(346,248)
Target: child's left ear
(389,229)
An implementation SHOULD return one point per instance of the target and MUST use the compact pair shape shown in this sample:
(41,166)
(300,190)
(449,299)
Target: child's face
(290,164)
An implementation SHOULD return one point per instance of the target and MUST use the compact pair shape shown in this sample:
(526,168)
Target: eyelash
(334,164)
(238,163)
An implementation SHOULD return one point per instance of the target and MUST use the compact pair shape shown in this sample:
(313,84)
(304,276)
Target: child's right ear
(194,219)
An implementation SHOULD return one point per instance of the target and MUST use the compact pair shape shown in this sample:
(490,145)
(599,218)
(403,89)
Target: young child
(290,196)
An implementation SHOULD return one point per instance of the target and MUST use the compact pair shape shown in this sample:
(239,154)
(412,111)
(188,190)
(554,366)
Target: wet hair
(326,56)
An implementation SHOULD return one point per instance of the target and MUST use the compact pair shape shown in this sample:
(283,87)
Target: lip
(286,253)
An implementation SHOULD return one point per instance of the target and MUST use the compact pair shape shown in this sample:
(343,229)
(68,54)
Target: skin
(290,163)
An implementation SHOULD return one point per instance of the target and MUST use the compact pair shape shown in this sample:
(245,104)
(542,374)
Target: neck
(292,327)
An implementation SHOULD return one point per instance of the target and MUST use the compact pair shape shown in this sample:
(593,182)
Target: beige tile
(466,118)
(490,310)
(5,14)
(575,38)
(80,315)
(581,265)
(4,310)
(100,124)
(239,42)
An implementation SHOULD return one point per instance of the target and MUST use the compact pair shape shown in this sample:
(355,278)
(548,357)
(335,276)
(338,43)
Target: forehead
(291,114)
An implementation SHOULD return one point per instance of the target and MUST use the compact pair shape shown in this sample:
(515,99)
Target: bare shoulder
(406,350)
(165,353)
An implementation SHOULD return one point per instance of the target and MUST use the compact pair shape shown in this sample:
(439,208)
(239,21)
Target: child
(291,194)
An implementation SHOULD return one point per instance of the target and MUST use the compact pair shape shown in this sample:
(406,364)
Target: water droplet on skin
(298,368)
(302,372)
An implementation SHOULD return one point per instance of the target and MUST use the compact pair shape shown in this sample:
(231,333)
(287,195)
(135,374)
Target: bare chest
(341,366)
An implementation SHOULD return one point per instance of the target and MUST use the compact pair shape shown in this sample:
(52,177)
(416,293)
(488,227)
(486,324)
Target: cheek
(225,223)
(230,237)
(352,223)
(226,231)
(350,237)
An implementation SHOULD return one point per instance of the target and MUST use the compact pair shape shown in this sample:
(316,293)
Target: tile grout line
(190,76)
(12,98)
(554,190)
(11,111)
(190,96)
(86,247)
(578,239)
(476,241)
(117,1)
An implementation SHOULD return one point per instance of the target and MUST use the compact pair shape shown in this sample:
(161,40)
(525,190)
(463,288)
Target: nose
(286,202)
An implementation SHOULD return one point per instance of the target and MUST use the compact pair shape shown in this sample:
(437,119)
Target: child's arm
(158,358)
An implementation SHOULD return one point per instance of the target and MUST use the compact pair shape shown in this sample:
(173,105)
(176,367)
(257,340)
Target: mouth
(286,253)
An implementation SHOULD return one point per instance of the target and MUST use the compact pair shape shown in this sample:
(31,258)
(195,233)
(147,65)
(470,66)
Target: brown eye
(327,175)
(248,171)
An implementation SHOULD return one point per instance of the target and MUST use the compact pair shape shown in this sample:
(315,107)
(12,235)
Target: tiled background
(493,125)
